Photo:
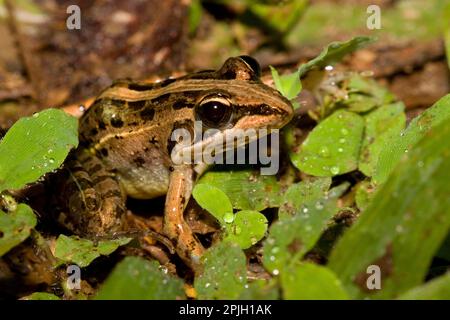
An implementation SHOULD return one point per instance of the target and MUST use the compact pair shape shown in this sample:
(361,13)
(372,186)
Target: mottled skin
(125,145)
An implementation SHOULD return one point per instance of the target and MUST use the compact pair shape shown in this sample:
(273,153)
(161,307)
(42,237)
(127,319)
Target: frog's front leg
(92,198)
(175,227)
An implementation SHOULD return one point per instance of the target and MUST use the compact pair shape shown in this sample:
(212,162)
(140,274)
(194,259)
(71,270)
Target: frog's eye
(253,64)
(215,112)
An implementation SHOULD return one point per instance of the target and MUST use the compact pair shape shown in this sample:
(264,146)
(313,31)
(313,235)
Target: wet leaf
(364,194)
(83,251)
(247,228)
(382,126)
(260,289)
(309,281)
(34,146)
(247,190)
(15,227)
(213,199)
(302,192)
(138,279)
(291,238)
(436,289)
(225,272)
(332,147)
(393,152)
(334,52)
(404,225)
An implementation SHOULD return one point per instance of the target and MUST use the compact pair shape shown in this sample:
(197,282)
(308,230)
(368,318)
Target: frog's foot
(175,227)
(92,198)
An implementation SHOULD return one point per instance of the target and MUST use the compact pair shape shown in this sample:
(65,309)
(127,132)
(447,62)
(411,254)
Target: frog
(126,146)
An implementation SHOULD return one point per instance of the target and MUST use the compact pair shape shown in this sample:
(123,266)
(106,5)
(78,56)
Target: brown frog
(126,146)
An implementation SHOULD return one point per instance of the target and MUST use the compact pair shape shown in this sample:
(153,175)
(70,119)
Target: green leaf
(366,87)
(40,296)
(83,251)
(138,279)
(281,18)
(195,15)
(364,194)
(288,84)
(404,225)
(332,147)
(300,193)
(34,146)
(260,289)
(247,228)
(246,189)
(436,289)
(291,238)
(446,19)
(225,272)
(309,281)
(212,199)
(392,153)
(334,52)
(382,126)
(15,227)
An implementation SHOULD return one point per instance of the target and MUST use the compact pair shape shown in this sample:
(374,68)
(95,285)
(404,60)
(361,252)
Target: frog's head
(240,100)
(233,100)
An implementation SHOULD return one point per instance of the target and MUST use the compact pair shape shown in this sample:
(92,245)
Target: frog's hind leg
(94,203)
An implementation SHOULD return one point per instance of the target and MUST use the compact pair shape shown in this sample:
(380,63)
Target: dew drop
(344,131)
(272,258)
(342,140)
(228,217)
(324,152)
(319,205)
(275,250)
(340,150)
(334,170)
(207,285)
(275,272)
(305,210)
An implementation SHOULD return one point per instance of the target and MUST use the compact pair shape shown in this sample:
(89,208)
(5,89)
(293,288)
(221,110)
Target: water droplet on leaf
(334,170)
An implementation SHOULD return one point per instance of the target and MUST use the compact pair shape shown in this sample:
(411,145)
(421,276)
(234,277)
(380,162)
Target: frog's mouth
(214,148)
